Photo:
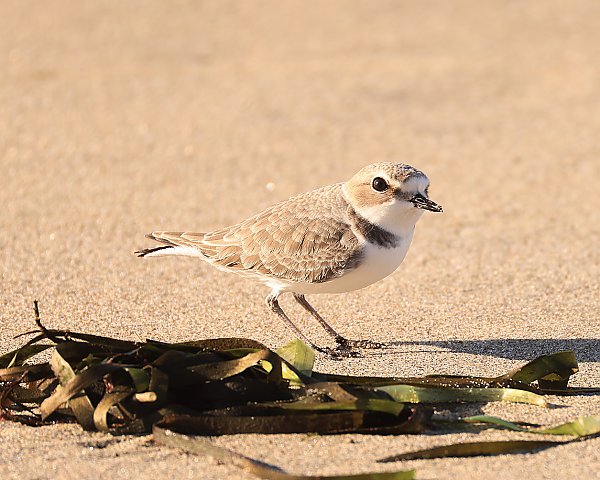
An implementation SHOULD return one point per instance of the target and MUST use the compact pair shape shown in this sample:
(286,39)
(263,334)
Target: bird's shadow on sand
(586,349)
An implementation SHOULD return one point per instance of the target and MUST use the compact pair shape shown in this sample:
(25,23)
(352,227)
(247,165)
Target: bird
(335,239)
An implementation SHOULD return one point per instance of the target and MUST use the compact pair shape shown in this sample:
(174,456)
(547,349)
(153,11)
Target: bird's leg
(310,309)
(342,341)
(274,305)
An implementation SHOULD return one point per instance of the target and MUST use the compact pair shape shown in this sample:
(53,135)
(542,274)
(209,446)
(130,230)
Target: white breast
(376,264)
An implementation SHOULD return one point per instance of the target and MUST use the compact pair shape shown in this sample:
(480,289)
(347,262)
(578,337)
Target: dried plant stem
(47,333)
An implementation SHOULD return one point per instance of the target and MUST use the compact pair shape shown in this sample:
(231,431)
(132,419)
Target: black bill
(420,201)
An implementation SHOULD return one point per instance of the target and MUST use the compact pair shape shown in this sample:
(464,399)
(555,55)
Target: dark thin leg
(341,341)
(310,309)
(274,305)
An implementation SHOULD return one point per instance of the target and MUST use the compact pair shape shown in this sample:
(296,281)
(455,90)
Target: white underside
(376,264)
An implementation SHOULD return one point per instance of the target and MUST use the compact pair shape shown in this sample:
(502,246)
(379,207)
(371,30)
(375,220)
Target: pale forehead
(416,182)
(396,171)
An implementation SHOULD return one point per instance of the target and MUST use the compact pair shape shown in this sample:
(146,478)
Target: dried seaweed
(228,386)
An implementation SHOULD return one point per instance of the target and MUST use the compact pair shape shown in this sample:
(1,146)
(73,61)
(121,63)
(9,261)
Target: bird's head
(390,195)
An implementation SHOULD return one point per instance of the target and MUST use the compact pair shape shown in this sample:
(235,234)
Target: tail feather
(173,245)
(148,251)
(164,237)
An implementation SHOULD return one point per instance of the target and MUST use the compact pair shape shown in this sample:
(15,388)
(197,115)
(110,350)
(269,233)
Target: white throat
(396,217)
(392,217)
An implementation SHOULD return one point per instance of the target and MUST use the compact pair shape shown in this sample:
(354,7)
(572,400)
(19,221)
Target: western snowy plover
(335,239)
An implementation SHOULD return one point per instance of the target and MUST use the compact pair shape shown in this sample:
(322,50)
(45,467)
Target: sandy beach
(119,118)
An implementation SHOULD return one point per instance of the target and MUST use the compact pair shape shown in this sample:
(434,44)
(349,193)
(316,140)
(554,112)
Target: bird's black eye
(379,184)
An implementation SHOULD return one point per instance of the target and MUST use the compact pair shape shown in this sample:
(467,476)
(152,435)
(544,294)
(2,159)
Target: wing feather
(307,238)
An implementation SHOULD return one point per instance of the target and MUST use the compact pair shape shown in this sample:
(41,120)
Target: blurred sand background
(118,118)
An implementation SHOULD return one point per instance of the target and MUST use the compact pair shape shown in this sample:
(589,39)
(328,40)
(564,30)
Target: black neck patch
(372,232)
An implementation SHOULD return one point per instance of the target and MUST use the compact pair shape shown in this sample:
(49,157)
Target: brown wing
(304,239)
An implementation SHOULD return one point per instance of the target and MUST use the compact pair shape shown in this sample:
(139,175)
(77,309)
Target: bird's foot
(346,344)
(338,353)
(348,348)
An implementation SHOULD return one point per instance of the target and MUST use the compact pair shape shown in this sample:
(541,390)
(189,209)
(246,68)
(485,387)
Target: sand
(119,118)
